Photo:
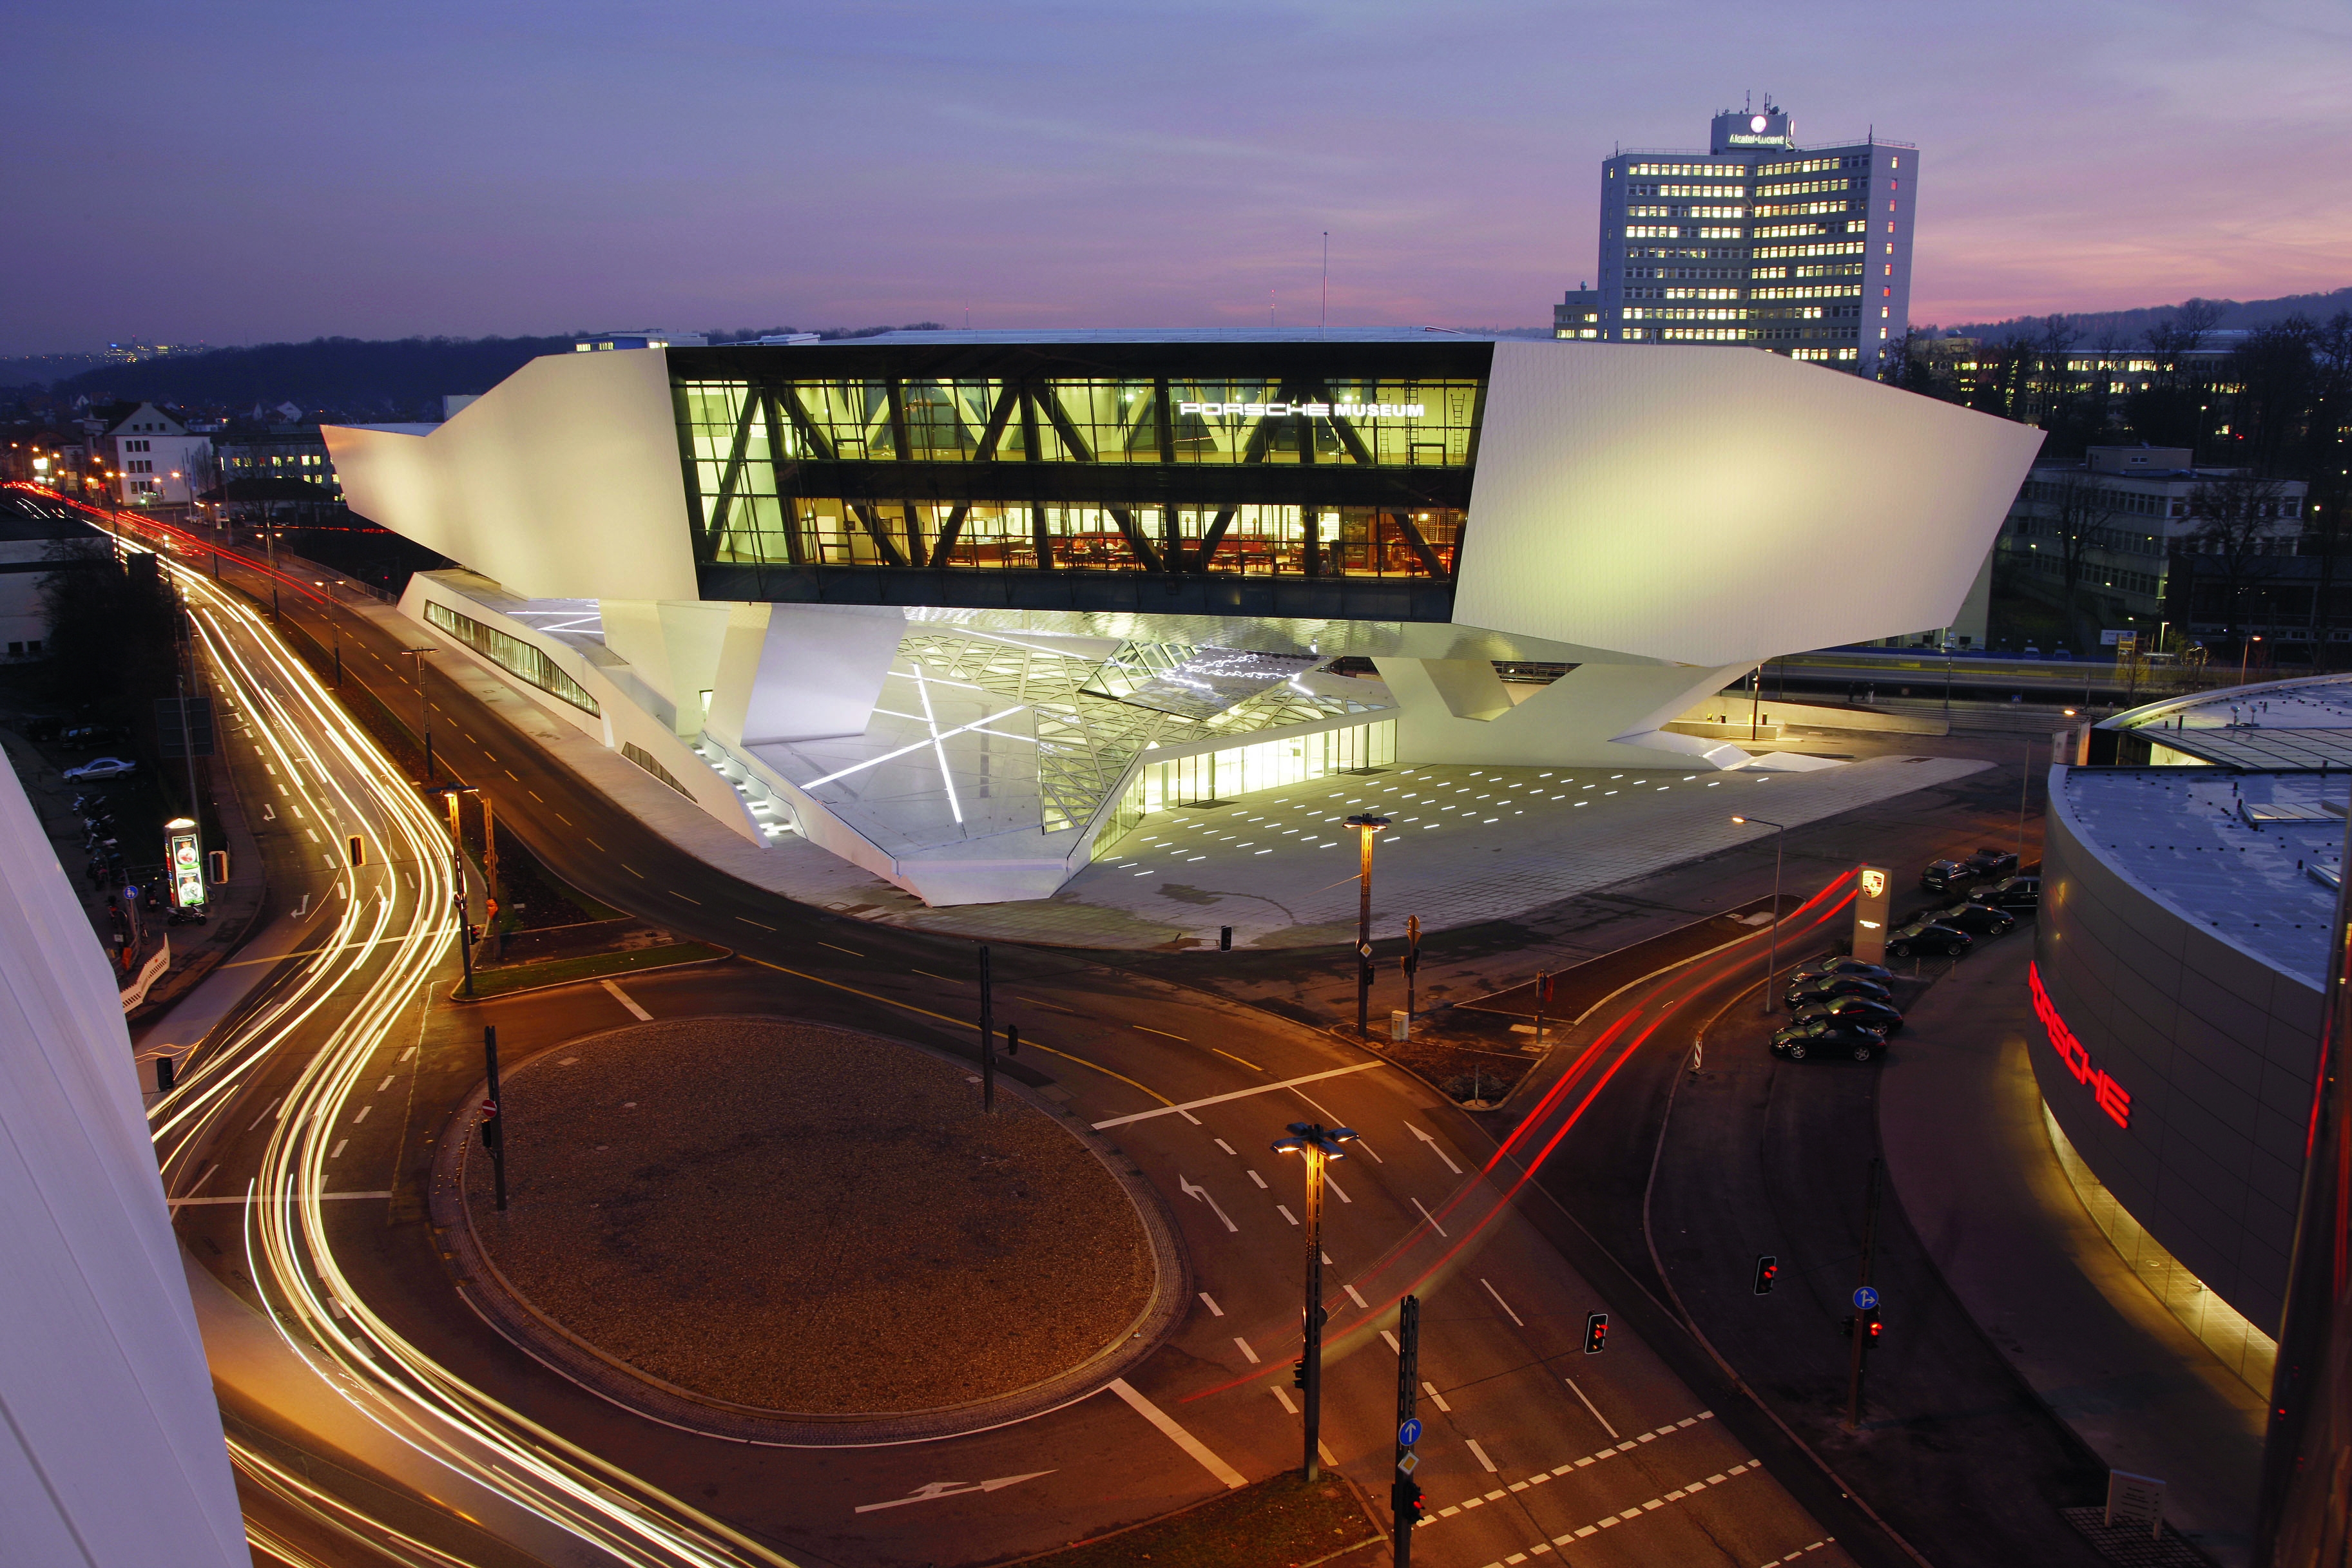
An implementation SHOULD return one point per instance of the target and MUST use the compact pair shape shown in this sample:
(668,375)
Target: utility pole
(2024,785)
(1318,1146)
(1772,958)
(1404,1495)
(490,849)
(987,1036)
(457,867)
(1862,1313)
(424,708)
(494,1129)
(1366,824)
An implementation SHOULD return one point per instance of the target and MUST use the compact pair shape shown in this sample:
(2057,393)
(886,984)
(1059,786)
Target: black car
(1977,919)
(1922,937)
(1815,969)
(1829,988)
(1946,875)
(2012,893)
(1867,1011)
(1827,1037)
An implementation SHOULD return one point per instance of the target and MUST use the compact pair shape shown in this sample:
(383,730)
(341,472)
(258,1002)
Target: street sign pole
(497,1119)
(1862,1292)
(1408,1427)
(987,1036)
(1315,1314)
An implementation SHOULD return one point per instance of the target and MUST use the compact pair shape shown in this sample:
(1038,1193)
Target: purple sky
(260,171)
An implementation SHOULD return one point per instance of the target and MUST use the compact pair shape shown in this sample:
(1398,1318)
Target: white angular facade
(957,605)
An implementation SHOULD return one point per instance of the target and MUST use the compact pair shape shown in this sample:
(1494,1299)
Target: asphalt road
(1504,1309)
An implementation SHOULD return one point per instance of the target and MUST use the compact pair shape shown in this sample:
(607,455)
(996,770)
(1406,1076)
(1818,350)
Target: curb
(517,1318)
(725,955)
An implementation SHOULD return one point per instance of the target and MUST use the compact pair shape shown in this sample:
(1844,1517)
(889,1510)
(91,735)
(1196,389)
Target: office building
(1577,316)
(1758,241)
(965,607)
(155,459)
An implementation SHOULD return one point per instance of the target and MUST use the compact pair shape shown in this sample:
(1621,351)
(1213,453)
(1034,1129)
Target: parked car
(100,768)
(87,735)
(1922,937)
(1989,864)
(1952,875)
(1816,968)
(1975,918)
(1829,988)
(1827,1037)
(1867,1011)
(2013,892)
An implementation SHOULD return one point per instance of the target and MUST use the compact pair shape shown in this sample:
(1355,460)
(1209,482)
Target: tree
(2235,518)
(2171,411)
(2078,508)
(2326,459)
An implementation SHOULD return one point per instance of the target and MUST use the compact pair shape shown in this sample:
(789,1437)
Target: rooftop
(2300,724)
(2235,852)
(1180,335)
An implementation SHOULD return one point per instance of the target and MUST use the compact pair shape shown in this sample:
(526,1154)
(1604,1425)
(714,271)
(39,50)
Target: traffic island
(1284,1521)
(787,1232)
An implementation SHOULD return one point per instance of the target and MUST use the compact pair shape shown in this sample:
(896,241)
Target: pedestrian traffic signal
(1766,1266)
(1299,1373)
(1405,1501)
(1596,1333)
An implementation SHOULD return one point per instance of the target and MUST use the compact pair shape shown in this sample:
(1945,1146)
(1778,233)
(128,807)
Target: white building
(1804,251)
(965,607)
(157,461)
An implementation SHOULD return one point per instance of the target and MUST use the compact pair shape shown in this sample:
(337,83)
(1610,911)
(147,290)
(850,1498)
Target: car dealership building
(964,608)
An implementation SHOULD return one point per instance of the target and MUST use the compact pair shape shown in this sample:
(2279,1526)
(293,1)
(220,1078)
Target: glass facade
(511,654)
(1263,764)
(1292,461)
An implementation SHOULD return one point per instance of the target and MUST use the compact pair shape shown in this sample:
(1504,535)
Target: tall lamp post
(458,866)
(424,708)
(1366,824)
(2245,650)
(1772,961)
(1318,1146)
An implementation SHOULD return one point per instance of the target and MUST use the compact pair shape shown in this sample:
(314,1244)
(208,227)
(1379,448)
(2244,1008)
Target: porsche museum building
(965,608)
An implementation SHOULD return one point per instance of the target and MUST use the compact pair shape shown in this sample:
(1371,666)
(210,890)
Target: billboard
(184,855)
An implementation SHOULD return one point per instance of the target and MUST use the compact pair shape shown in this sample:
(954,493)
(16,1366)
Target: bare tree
(2325,464)
(2076,511)
(2236,518)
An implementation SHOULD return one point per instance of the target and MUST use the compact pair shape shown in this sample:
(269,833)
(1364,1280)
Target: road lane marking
(622,998)
(534,795)
(1485,1463)
(933,1491)
(1597,1415)
(675,893)
(929,975)
(338,1148)
(1281,1394)
(1247,1354)
(313,832)
(1190,1105)
(1355,1297)
(1258,1180)
(1285,1213)
(1190,1190)
(1429,1216)
(1436,1398)
(1164,1034)
(1229,1056)
(1222,1144)
(1053,1007)
(1500,1302)
(851,951)
(631,869)
(1390,1338)
(966,1023)
(1337,1190)
(1440,1154)
(265,1114)
(749,921)
(387,1082)
(364,1114)
(1210,1302)
(1209,1461)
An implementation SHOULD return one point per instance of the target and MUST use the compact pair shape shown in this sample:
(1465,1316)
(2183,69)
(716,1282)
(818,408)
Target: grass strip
(596,966)
(1280,1523)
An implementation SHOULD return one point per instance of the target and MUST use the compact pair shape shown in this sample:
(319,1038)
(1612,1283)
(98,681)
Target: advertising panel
(1875,890)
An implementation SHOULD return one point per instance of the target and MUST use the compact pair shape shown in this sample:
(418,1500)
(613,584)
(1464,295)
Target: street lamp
(2245,649)
(457,868)
(1772,960)
(1319,1146)
(1366,824)
(423,709)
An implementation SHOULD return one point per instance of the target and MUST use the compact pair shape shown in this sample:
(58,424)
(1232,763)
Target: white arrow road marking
(1200,1451)
(1433,1149)
(936,1489)
(1202,1194)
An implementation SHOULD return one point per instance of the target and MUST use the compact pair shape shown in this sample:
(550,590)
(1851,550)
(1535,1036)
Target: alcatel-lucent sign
(1306,410)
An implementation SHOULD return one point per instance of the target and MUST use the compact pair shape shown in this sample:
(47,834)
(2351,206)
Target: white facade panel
(111,1444)
(1718,507)
(563,483)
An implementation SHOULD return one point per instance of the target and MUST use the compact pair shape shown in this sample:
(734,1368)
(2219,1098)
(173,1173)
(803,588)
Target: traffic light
(1872,1342)
(1405,1501)
(1871,1328)
(1299,1373)
(1766,1266)
(1596,1333)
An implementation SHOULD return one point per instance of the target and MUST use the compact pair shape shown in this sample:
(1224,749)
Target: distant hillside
(2126,326)
(352,376)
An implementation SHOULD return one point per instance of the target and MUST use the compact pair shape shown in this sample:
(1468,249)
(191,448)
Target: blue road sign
(1866,1299)
(1409,1434)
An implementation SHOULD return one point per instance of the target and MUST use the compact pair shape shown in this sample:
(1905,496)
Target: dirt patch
(801,1220)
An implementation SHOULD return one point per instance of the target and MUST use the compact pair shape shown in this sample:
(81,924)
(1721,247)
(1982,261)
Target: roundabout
(788,1233)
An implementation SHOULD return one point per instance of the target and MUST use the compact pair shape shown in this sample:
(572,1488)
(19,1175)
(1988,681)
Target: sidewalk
(1960,1120)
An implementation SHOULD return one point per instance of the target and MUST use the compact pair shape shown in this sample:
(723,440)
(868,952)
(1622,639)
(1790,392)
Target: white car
(100,768)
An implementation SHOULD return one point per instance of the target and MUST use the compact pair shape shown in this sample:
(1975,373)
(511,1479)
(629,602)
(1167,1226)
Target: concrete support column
(1596,716)
(801,672)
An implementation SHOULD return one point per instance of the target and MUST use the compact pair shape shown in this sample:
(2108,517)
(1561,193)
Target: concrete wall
(2217,1049)
(111,1452)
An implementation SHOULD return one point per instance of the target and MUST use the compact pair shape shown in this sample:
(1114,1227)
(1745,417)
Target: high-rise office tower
(1805,252)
